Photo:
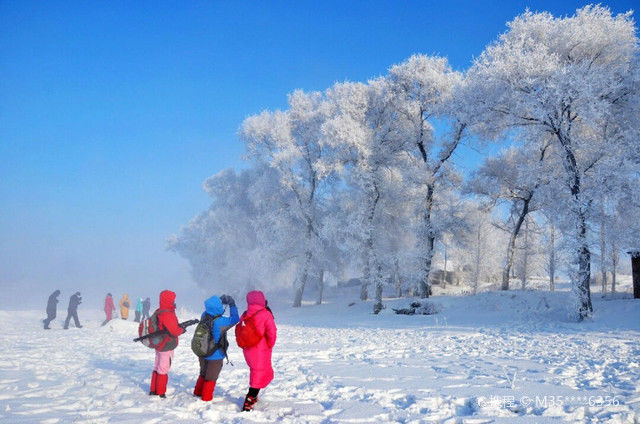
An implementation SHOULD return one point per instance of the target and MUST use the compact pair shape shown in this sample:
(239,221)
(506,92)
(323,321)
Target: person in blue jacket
(138,310)
(211,365)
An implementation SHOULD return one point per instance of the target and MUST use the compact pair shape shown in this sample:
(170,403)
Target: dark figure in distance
(146,305)
(72,310)
(52,306)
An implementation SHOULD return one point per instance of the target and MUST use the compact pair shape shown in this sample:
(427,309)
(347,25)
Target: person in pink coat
(258,357)
(108,308)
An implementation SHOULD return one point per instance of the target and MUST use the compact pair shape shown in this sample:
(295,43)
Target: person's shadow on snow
(137,372)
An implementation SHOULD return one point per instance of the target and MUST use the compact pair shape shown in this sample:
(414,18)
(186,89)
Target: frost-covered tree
(337,245)
(365,134)
(510,180)
(396,240)
(531,258)
(562,77)
(480,257)
(225,245)
(290,143)
(450,220)
(553,247)
(618,221)
(424,95)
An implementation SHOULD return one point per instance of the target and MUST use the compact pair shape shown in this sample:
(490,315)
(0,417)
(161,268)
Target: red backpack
(247,334)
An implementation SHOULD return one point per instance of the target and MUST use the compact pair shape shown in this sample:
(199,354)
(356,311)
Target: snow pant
(137,317)
(47,321)
(163,362)
(74,315)
(210,369)
(209,372)
(160,377)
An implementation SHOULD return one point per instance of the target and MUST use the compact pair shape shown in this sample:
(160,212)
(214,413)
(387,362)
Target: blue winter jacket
(213,306)
(139,305)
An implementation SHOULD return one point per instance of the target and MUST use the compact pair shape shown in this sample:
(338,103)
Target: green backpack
(203,344)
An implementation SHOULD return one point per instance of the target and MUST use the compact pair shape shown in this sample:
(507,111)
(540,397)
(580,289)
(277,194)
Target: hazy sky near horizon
(112,114)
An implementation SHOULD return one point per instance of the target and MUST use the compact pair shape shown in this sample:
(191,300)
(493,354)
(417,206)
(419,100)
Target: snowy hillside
(496,357)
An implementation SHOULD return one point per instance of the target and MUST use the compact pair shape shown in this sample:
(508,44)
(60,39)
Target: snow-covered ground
(495,357)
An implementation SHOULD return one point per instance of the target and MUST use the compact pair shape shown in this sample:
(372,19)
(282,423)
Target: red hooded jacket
(168,321)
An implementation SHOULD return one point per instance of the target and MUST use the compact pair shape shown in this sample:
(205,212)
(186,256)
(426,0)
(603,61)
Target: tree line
(362,178)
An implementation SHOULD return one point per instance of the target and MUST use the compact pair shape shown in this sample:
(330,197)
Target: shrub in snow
(424,307)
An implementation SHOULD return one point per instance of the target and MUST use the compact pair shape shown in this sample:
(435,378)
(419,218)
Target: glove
(227,300)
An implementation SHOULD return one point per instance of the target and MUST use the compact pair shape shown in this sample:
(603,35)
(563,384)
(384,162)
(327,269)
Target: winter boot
(197,391)
(161,384)
(154,379)
(207,389)
(249,401)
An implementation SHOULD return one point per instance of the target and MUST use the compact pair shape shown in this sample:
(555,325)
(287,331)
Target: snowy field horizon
(494,357)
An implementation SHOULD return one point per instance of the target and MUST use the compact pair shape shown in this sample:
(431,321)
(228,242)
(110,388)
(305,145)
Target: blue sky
(113,113)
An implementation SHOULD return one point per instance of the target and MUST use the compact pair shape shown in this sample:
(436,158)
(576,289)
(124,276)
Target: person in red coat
(108,308)
(258,357)
(167,320)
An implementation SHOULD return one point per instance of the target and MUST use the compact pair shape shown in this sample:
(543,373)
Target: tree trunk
(635,273)
(476,276)
(506,270)
(614,266)
(364,293)
(396,277)
(525,257)
(580,284)
(424,284)
(581,287)
(297,301)
(444,272)
(552,259)
(603,250)
(511,247)
(371,262)
(424,287)
(377,307)
(320,287)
